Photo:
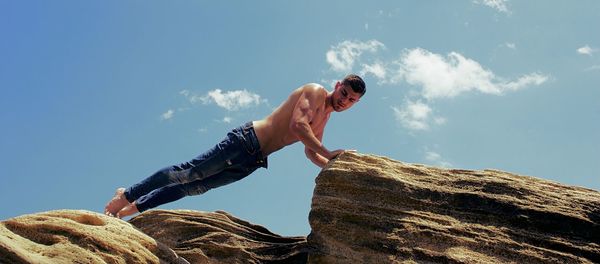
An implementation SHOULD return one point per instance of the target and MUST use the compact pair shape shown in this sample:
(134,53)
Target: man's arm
(303,113)
(314,157)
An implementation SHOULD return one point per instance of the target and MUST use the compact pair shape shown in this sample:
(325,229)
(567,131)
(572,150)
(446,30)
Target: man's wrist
(324,152)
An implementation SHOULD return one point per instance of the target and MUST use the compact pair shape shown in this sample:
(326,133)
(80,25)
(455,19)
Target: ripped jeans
(234,158)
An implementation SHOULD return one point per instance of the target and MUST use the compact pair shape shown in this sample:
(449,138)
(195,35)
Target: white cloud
(437,159)
(342,56)
(230,100)
(430,156)
(443,77)
(593,68)
(524,81)
(413,115)
(439,120)
(447,77)
(499,5)
(185,93)
(233,100)
(434,77)
(377,69)
(586,50)
(167,115)
(227,119)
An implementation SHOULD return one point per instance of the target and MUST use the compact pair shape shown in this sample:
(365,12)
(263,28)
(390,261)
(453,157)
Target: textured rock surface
(219,238)
(69,236)
(369,209)
(366,209)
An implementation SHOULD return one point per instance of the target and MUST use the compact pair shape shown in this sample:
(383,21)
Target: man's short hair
(356,83)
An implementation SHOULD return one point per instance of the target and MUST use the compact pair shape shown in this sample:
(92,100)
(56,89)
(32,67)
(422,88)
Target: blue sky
(97,95)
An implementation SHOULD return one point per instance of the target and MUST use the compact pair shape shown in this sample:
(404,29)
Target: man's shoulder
(314,88)
(314,85)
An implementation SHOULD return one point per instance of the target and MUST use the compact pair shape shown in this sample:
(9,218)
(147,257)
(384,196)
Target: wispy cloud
(524,81)
(167,115)
(510,45)
(447,77)
(341,57)
(230,100)
(433,76)
(439,120)
(593,68)
(586,50)
(416,115)
(437,159)
(444,77)
(500,5)
(413,115)
(227,119)
(377,69)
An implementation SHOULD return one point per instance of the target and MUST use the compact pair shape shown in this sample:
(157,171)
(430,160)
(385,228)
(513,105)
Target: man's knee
(176,175)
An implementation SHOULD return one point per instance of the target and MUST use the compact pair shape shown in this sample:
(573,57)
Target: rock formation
(70,236)
(76,236)
(369,209)
(365,209)
(219,237)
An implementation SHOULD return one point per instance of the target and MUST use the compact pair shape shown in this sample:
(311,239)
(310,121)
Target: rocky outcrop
(365,209)
(369,209)
(72,236)
(202,237)
(155,236)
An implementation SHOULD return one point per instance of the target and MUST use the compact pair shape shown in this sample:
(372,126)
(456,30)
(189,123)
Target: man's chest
(318,122)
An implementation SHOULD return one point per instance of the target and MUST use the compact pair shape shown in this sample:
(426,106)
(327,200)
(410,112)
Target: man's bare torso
(274,132)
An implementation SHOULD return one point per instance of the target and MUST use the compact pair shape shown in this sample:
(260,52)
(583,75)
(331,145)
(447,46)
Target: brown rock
(74,236)
(369,209)
(219,237)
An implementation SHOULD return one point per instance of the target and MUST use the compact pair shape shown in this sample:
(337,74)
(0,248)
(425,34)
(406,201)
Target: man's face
(344,97)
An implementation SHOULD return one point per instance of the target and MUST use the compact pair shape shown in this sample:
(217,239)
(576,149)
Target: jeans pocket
(248,143)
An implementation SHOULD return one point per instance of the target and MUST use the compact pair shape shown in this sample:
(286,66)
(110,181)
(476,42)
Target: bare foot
(128,210)
(116,203)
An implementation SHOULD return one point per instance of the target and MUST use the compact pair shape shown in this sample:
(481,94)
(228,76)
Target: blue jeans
(234,158)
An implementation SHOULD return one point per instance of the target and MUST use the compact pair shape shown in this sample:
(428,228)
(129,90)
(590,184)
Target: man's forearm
(316,158)
(307,137)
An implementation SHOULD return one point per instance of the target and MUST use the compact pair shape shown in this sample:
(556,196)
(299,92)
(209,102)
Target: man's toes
(123,212)
(127,210)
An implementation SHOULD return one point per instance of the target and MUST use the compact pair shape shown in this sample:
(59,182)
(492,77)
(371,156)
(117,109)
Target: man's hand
(322,161)
(337,152)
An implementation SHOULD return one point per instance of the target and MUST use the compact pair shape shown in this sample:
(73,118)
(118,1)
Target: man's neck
(329,103)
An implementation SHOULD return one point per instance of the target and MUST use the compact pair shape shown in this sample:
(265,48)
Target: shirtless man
(302,117)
